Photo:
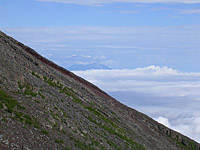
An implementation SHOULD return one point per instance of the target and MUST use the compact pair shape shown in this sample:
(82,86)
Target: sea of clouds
(168,96)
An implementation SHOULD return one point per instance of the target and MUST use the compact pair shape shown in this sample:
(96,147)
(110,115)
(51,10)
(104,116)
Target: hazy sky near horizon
(152,47)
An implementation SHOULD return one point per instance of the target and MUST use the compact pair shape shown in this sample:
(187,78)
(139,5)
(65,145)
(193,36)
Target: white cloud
(102,2)
(159,9)
(102,57)
(162,81)
(167,95)
(189,11)
(178,11)
(164,121)
(129,12)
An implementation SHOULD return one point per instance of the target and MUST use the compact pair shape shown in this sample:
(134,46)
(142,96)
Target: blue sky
(32,13)
(152,46)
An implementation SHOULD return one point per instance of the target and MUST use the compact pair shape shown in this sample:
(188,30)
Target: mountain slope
(44,106)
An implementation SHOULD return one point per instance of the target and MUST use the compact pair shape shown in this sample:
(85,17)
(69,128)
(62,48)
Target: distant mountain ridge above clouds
(90,66)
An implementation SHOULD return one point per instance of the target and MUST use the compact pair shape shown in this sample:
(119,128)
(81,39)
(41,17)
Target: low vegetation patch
(37,76)
(59,141)
(113,145)
(29,91)
(37,101)
(83,145)
(9,102)
(52,83)
(42,96)
(44,132)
